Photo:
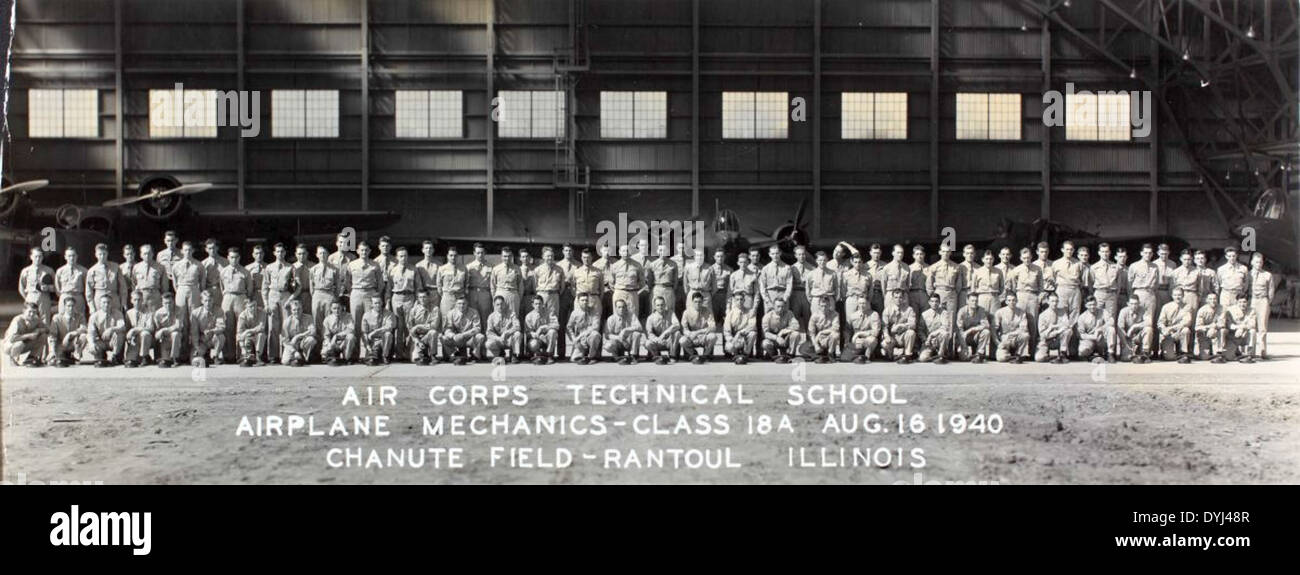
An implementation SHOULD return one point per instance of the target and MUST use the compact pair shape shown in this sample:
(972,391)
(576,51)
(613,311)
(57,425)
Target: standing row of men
(293,312)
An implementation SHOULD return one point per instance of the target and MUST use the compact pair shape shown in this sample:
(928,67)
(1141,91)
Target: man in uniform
(207,330)
(988,284)
(338,336)
(824,325)
(236,286)
(384,260)
(864,329)
(1187,277)
(377,332)
(738,330)
(366,279)
(1207,328)
(1070,276)
(507,281)
(478,283)
(801,304)
(948,280)
(938,344)
(342,255)
(898,330)
(1085,258)
(698,332)
(776,281)
(1234,278)
(462,331)
(603,264)
(452,279)
(404,285)
(722,285)
(745,281)
(27,334)
(1134,330)
(298,337)
(895,275)
(590,281)
(278,288)
(171,252)
(663,275)
(623,334)
(170,325)
(542,330)
(1144,279)
(1121,260)
(548,280)
(427,268)
(1174,326)
(327,285)
(1262,286)
(527,265)
(149,277)
(1045,263)
(1209,279)
(856,281)
(568,263)
(424,325)
(1011,328)
(875,268)
(1108,279)
(1097,338)
(105,277)
(917,298)
(1005,265)
(212,265)
(782,335)
(968,266)
(139,332)
(1237,331)
(36,283)
(189,279)
(661,332)
(106,332)
(823,283)
(302,277)
(1166,267)
(257,275)
(698,278)
(1055,327)
(502,336)
(250,334)
(67,334)
(974,324)
(584,322)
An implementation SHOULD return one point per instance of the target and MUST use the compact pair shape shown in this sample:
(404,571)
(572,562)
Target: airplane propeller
(24,186)
(184,190)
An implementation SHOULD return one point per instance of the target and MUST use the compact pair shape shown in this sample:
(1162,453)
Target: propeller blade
(128,200)
(798,215)
(187,189)
(25,186)
(761,232)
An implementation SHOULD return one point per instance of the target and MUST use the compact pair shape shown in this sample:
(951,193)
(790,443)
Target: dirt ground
(1160,423)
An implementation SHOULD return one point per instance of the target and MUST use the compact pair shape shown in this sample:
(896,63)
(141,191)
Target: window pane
(411,113)
(288,119)
(1004,116)
(651,115)
(1080,117)
(322,113)
(616,119)
(857,115)
(445,115)
(1113,121)
(45,113)
(737,114)
(770,118)
(972,116)
(514,114)
(548,114)
(891,116)
(81,113)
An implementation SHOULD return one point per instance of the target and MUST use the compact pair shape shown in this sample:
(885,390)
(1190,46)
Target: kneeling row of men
(143,335)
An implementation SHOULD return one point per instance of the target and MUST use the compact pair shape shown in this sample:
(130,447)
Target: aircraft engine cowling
(8,202)
(161,209)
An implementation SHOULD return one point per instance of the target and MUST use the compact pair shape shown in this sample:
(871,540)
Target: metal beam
(241,169)
(119,97)
(491,127)
(1045,207)
(934,118)
(365,104)
(695,108)
(1153,209)
(816,114)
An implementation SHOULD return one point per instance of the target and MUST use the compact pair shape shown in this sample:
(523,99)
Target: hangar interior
(891,119)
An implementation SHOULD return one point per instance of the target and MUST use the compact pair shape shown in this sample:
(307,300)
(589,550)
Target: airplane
(159,205)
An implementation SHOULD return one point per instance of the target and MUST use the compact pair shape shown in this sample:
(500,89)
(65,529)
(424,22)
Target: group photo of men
(188,303)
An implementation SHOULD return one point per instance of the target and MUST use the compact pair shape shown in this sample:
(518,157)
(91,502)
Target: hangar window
(182,113)
(304,113)
(873,116)
(530,114)
(988,116)
(750,115)
(1097,117)
(633,114)
(63,113)
(429,114)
